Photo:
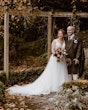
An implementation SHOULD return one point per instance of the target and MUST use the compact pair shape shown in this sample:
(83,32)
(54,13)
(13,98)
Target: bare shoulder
(54,41)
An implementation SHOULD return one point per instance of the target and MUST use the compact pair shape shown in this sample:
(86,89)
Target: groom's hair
(71,27)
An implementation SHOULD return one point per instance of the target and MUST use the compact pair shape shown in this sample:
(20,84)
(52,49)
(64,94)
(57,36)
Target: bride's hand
(62,51)
(68,61)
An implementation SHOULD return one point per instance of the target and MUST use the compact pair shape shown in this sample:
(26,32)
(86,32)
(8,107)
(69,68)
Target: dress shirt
(71,37)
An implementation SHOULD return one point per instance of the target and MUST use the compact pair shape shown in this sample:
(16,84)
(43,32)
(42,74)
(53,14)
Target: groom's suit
(74,50)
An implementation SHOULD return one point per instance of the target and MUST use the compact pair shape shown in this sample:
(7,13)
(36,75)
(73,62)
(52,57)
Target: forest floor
(34,102)
(37,102)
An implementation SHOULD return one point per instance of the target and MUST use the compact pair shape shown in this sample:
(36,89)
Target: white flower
(75,41)
(75,100)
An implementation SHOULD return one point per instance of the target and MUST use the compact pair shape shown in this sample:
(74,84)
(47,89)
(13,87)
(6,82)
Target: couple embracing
(63,66)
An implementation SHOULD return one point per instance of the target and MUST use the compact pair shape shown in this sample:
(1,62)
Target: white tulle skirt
(54,75)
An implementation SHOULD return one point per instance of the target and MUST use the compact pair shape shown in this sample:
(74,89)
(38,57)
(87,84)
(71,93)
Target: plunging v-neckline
(60,42)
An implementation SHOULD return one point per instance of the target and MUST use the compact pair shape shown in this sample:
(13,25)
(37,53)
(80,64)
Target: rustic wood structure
(49,15)
(84,0)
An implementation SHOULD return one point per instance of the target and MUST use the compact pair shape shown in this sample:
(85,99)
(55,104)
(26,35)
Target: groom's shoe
(70,77)
(75,76)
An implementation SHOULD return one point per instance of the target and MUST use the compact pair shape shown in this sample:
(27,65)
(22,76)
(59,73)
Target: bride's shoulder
(54,40)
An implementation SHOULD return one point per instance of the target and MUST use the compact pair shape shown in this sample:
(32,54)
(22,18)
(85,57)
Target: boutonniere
(75,41)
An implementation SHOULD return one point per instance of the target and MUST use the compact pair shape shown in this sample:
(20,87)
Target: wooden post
(86,57)
(49,33)
(6,44)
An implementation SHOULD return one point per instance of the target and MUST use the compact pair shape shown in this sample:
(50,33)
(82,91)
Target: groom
(74,50)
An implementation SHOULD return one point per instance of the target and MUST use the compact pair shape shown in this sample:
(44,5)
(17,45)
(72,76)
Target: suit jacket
(75,50)
(73,47)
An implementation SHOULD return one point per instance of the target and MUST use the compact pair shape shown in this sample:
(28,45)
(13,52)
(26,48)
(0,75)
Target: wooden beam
(69,14)
(45,13)
(83,15)
(83,0)
(59,14)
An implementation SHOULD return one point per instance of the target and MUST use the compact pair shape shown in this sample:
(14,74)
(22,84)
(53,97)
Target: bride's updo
(62,30)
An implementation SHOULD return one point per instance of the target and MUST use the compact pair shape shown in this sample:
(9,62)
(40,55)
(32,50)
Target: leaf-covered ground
(39,102)
(17,102)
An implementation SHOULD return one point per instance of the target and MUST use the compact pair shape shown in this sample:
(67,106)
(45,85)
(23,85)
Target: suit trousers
(73,68)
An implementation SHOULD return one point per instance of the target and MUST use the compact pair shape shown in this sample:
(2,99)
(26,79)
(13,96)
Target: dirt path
(17,102)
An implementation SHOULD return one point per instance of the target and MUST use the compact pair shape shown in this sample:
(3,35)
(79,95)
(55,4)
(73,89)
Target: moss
(84,37)
(85,75)
(23,76)
(83,86)
(3,77)
(42,59)
(2,95)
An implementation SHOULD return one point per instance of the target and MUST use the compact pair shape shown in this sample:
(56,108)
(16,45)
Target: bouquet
(60,54)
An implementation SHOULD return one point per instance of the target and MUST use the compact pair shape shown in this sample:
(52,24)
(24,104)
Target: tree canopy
(61,5)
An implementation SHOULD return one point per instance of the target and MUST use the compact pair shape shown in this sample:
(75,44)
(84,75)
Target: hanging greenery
(74,19)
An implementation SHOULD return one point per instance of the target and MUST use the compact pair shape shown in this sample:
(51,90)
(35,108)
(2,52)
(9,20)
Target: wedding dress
(54,75)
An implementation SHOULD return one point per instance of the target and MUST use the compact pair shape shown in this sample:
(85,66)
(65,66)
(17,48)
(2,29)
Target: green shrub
(42,59)
(3,77)
(82,85)
(23,76)
(85,75)
(2,95)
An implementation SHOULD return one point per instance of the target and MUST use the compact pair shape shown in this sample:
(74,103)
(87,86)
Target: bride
(54,75)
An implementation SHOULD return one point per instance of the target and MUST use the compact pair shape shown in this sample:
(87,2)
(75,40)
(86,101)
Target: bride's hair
(62,30)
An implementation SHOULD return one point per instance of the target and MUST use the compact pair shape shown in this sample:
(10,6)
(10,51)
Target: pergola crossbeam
(45,13)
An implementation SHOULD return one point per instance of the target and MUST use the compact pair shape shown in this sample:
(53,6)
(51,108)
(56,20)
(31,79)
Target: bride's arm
(53,47)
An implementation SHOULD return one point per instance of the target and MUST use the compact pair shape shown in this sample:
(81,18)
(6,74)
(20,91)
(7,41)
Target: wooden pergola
(49,15)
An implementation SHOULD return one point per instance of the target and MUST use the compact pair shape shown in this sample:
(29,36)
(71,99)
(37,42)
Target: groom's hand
(76,61)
